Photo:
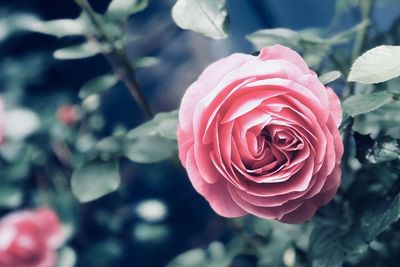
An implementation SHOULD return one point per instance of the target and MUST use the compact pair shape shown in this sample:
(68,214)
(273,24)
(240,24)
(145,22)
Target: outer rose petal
(309,207)
(285,53)
(217,194)
(185,142)
(49,260)
(205,83)
(51,226)
(258,135)
(334,106)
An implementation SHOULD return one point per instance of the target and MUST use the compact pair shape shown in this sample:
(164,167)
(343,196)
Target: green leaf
(106,251)
(383,121)
(352,242)
(208,17)
(280,239)
(150,149)
(359,104)
(163,124)
(382,149)
(216,255)
(94,180)
(325,247)
(123,8)
(347,35)
(13,22)
(269,37)
(299,40)
(312,37)
(144,232)
(330,77)
(376,65)
(191,258)
(66,257)
(111,145)
(10,197)
(60,27)
(309,39)
(374,219)
(98,85)
(83,50)
(379,216)
(146,62)
(19,156)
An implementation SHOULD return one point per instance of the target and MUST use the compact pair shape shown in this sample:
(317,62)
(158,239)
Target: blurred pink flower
(30,238)
(68,114)
(259,135)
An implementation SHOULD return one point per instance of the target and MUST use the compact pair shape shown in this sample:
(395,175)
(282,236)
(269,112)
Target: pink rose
(259,135)
(30,238)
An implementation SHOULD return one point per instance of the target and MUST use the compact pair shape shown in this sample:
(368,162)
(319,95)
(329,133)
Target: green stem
(359,43)
(361,36)
(117,59)
(338,64)
(366,11)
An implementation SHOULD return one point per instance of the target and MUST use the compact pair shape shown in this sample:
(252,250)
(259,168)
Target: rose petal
(217,194)
(285,53)
(334,106)
(205,83)
(261,137)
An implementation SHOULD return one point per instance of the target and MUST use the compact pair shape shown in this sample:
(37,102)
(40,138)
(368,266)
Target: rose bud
(68,115)
(259,135)
(30,238)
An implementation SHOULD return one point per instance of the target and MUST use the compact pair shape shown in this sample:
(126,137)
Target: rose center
(275,150)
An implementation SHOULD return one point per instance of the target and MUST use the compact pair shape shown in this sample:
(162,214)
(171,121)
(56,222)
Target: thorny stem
(116,58)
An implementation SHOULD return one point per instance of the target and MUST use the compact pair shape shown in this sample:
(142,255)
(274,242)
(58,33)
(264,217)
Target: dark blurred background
(184,219)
